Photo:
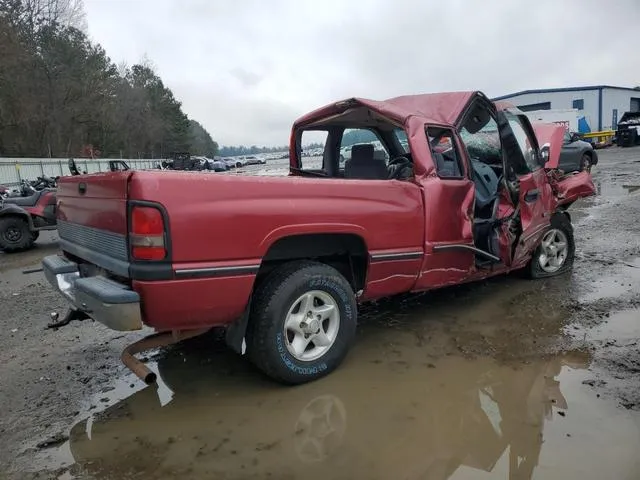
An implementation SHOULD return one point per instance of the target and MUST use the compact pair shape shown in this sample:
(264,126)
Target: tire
(585,163)
(35,235)
(279,297)
(560,227)
(15,234)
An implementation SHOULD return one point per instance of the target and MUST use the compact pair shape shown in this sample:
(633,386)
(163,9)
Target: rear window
(312,149)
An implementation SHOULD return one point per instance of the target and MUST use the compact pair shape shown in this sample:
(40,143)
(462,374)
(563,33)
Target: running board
(468,248)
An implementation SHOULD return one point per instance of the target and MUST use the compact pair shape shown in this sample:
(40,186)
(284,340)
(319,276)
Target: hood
(550,137)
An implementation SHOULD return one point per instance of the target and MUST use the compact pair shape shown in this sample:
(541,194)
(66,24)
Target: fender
(311,228)
(14,210)
(236,331)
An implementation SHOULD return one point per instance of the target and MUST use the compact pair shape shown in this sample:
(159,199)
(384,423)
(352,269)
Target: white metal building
(601,105)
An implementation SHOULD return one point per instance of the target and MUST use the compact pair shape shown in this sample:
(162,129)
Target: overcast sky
(246,69)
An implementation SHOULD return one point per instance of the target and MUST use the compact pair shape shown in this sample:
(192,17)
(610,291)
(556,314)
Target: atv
(22,218)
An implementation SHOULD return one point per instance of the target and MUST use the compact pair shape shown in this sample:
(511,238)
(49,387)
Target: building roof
(566,89)
(442,108)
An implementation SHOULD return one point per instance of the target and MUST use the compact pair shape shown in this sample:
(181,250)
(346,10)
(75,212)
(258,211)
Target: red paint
(193,303)
(103,205)
(550,136)
(232,221)
(234,226)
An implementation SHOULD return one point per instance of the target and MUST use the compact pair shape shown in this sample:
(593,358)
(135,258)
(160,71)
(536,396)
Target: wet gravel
(55,381)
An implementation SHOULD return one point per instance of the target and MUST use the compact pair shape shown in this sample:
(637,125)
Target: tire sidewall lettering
(333,288)
(291,365)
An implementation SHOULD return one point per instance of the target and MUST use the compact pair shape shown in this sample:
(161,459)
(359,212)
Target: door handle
(531,195)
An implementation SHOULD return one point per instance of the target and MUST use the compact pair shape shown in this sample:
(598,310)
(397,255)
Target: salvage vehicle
(467,190)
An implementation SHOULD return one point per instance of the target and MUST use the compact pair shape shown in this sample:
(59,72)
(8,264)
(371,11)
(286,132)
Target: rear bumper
(106,301)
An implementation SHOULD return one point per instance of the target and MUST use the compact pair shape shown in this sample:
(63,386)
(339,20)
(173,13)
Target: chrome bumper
(106,301)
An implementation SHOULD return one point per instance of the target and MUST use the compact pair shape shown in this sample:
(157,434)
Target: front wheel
(585,163)
(556,251)
(303,321)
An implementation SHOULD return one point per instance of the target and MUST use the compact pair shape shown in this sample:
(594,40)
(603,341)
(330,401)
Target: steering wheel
(397,166)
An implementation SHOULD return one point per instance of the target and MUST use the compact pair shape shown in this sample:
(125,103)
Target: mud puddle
(378,417)
(616,351)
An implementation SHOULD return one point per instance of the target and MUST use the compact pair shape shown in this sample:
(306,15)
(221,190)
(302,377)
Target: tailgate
(92,218)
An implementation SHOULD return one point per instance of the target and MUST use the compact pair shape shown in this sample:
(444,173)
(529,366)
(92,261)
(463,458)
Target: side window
(567,138)
(354,137)
(524,142)
(312,143)
(445,153)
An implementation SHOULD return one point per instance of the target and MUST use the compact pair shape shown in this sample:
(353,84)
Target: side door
(535,196)
(449,208)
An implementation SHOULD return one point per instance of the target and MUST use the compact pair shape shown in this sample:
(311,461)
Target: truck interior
(381,153)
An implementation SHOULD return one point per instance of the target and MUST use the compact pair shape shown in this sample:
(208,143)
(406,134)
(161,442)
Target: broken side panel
(570,188)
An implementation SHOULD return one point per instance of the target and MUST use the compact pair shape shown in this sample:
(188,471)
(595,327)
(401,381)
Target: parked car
(284,261)
(576,154)
(215,165)
(255,161)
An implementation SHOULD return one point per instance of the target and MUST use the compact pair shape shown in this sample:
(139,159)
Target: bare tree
(67,13)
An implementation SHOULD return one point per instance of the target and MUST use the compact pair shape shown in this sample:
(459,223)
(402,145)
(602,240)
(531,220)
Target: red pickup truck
(435,190)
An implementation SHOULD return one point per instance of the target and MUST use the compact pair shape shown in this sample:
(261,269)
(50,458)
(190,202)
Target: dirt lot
(512,377)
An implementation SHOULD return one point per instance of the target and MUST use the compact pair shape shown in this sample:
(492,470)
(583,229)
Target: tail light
(147,234)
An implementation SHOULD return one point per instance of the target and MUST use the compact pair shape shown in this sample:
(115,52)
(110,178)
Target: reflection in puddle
(455,419)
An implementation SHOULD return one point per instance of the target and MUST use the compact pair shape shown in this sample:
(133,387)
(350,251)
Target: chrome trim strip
(382,257)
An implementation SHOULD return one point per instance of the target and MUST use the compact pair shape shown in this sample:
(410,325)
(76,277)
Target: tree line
(62,96)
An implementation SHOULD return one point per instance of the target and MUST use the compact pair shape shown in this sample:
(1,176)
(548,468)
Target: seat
(486,182)
(484,225)
(364,165)
(29,201)
(446,167)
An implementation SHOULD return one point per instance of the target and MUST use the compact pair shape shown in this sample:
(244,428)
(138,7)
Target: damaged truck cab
(431,190)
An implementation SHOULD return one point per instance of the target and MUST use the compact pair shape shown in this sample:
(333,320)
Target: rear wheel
(585,163)
(15,234)
(556,251)
(303,321)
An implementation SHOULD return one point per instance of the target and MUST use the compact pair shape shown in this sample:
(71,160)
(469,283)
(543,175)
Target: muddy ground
(533,379)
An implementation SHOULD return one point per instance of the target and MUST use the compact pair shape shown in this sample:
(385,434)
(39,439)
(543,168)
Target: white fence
(13,170)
